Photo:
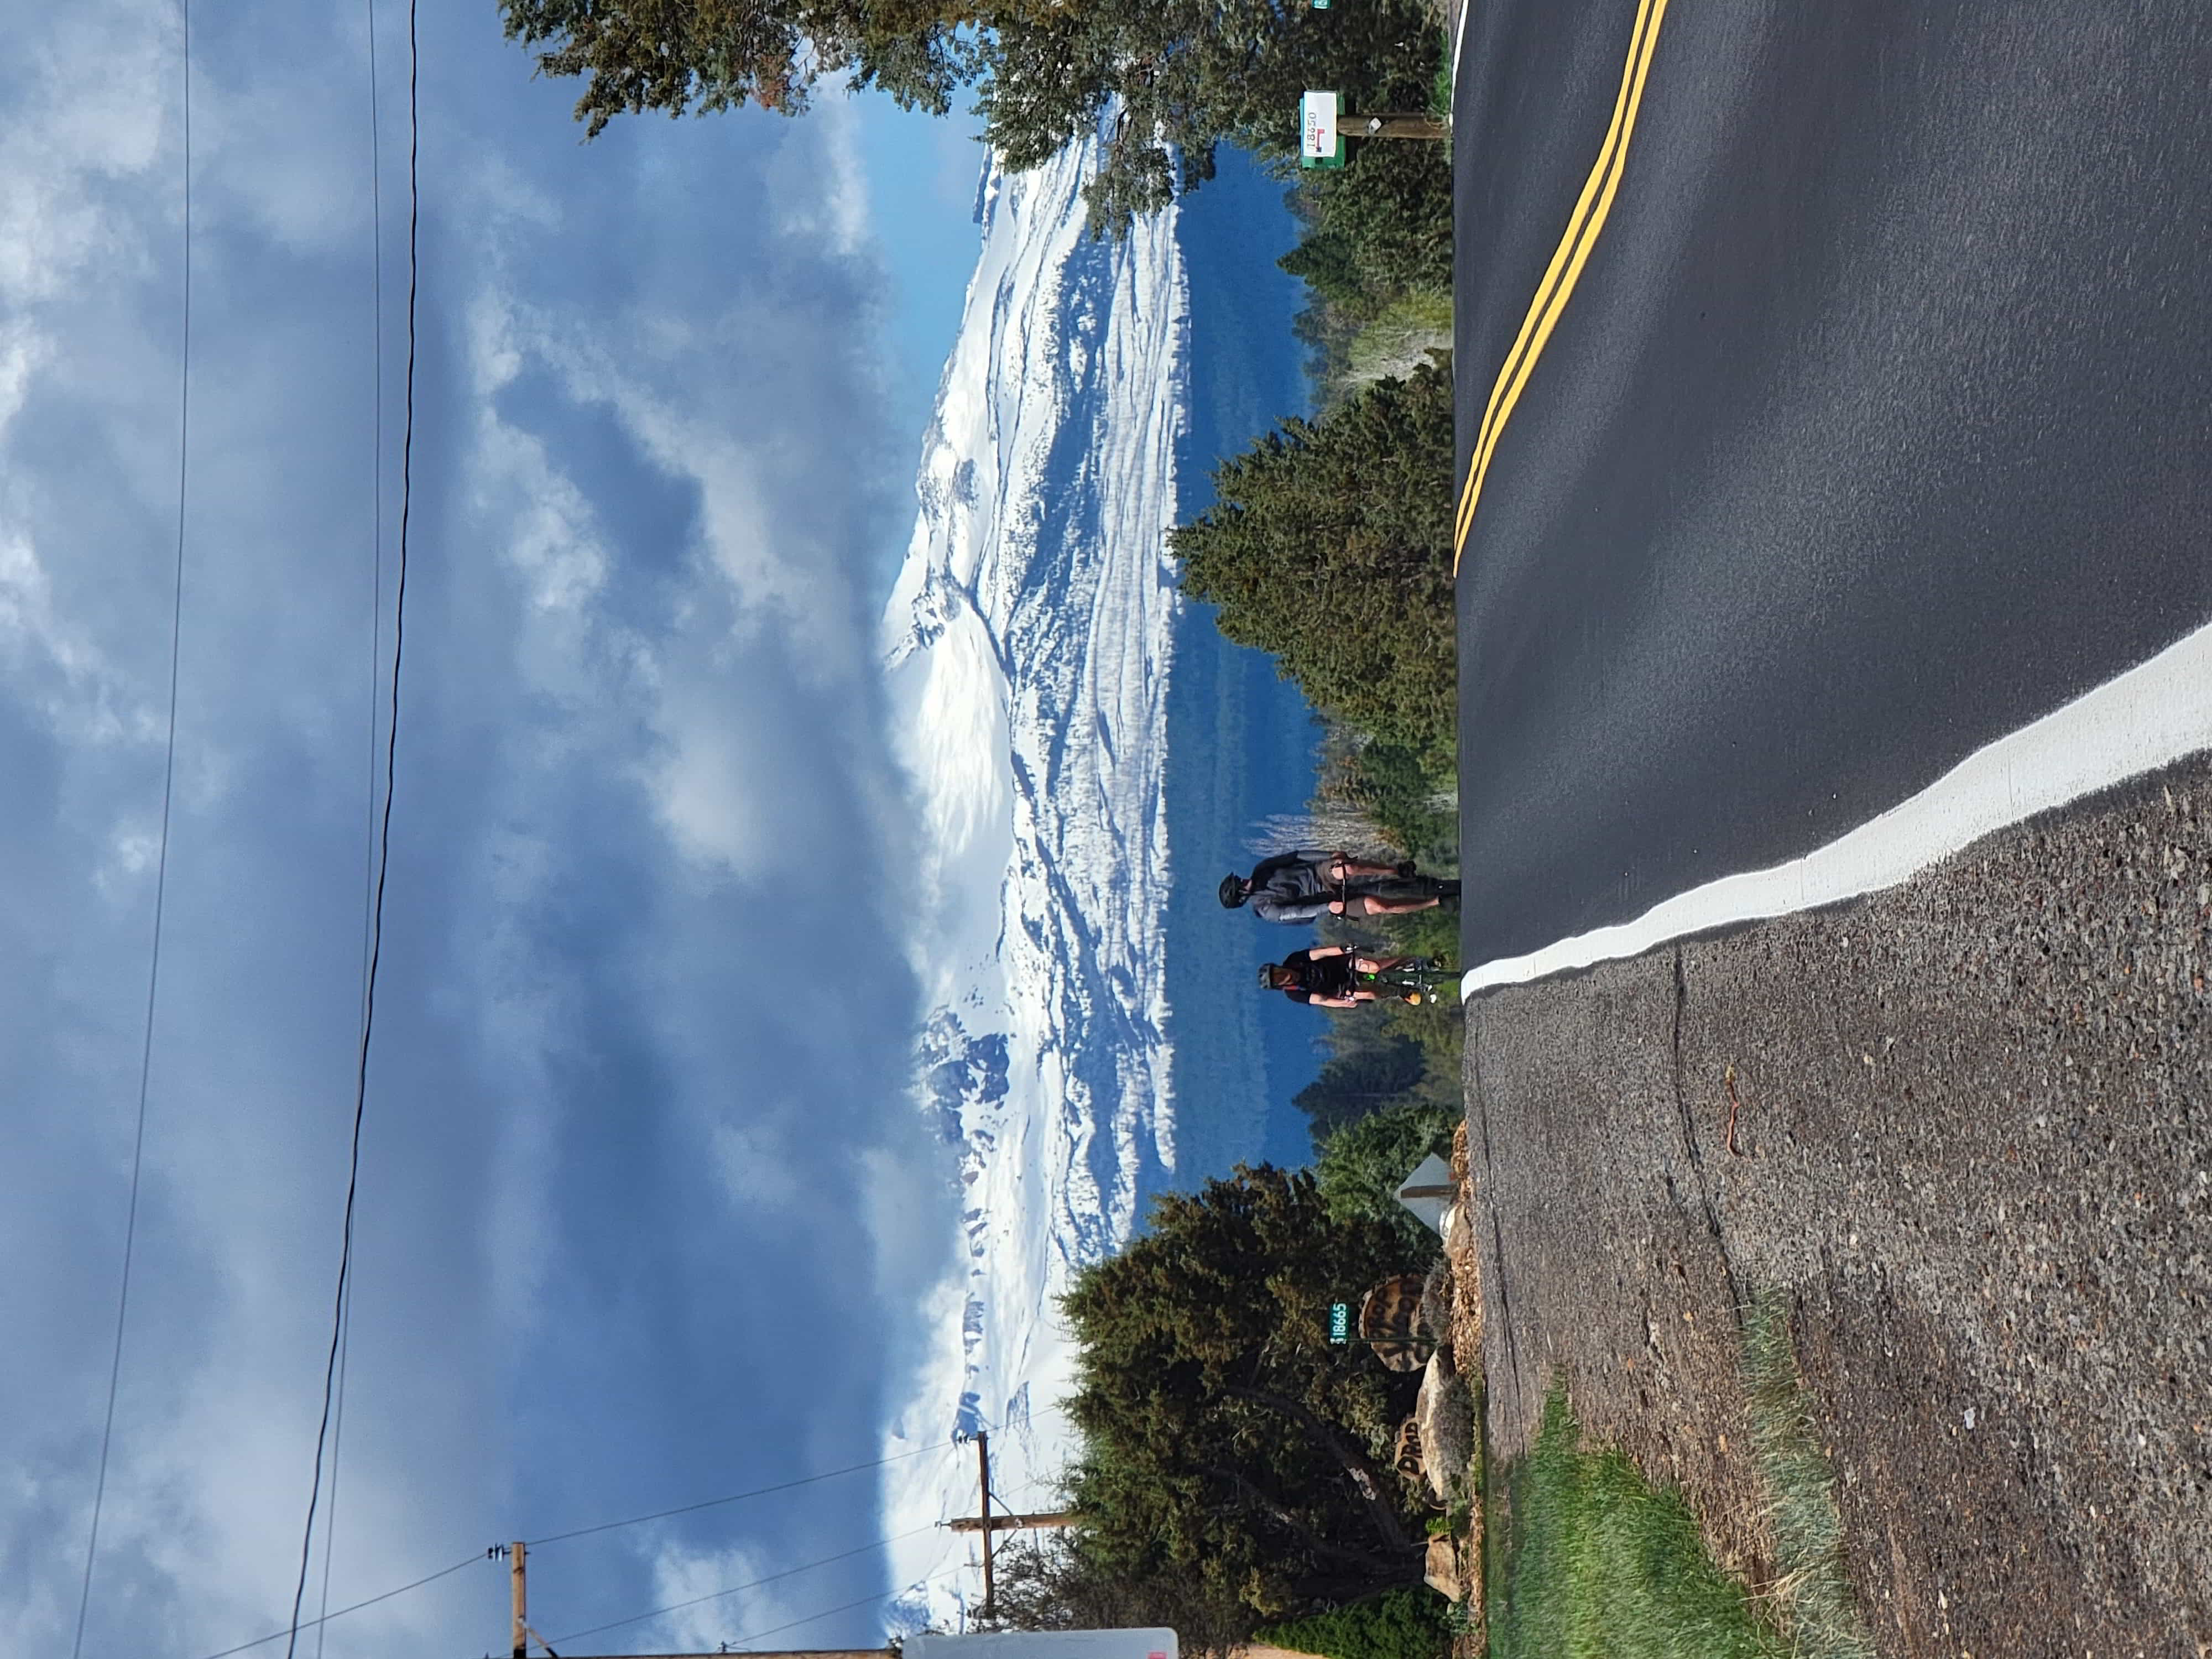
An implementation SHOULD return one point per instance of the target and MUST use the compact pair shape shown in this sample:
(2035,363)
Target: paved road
(1878,424)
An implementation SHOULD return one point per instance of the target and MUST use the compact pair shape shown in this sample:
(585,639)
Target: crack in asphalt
(1494,1271)
(1739,1296)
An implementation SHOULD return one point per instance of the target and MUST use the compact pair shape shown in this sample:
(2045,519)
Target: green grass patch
(1811,1596)
(1595,1562)
(1590,1561)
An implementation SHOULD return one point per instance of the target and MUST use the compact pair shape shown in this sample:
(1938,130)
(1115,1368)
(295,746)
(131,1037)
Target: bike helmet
(1268,975)
(1232,891)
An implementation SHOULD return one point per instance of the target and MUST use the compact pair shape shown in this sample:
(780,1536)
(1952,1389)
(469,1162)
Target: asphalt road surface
(1877,423)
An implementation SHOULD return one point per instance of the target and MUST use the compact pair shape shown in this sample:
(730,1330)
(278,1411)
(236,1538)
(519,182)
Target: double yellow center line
(1566,267)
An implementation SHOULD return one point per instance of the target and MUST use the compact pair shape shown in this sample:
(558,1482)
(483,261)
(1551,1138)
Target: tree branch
(1365,1476)
(1316,1546)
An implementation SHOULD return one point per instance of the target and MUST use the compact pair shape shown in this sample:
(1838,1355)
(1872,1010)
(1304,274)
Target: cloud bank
(644,1017)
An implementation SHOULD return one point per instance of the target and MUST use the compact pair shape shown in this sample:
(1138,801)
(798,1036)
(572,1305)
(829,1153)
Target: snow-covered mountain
(1028,647)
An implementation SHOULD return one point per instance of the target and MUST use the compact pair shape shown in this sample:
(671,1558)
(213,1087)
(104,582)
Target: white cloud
(817,185)
(93,100)
(680,1576)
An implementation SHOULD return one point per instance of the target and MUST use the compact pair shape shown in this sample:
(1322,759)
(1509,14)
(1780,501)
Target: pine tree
(1185,75)
(1329,545)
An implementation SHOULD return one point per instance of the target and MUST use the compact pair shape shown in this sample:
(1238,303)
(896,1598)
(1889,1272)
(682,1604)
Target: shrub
(1361,1164)
(1398,1624)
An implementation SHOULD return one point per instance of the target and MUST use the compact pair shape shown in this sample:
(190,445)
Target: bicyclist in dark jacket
(1329,977)
(1304,885)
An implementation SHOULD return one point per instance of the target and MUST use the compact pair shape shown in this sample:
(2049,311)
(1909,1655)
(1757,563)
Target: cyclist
(1304,885)
(1330,977)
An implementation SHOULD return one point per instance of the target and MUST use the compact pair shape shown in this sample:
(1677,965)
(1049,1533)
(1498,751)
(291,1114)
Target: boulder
(1445,1414)
(1442,1574)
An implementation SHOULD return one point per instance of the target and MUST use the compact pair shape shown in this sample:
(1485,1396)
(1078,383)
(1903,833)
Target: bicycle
(1415,980)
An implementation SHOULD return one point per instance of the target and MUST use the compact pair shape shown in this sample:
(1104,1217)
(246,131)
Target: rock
(1437,1298)
(1442,1574)
(1445,1414)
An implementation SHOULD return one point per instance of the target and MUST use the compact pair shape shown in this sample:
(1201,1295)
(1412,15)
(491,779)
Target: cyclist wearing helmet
(1327,975)
(1304,885)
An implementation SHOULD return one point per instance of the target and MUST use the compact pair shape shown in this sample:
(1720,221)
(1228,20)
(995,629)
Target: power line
(294,1629)
(847,1606)
(609,1527)
(161,860)
(375,678)
(734,1497)
(788,1572)
(384,833)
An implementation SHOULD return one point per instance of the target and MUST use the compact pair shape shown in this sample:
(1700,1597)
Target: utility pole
(986,1523)
(983,1461)
(1012,1522)
(514,1555)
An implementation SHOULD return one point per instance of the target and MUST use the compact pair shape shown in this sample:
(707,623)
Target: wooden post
(1012,1522)
(983,1462)
(1389,124)
(515,1553)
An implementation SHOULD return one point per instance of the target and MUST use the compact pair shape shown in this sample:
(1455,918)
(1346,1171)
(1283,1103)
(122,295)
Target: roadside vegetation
(1811,1596)
(1591,1561)
(1374,252)
(1594,1563)
(1236,1468)
(1402,1624)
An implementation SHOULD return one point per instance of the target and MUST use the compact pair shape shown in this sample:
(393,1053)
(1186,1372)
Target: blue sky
(644,1208)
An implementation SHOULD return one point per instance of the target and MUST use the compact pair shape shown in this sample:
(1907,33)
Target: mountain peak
(1028,644)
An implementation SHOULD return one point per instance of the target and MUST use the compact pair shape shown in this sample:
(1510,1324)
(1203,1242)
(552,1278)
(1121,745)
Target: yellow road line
(1558,287)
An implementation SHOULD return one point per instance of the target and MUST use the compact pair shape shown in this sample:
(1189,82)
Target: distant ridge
(1027,644)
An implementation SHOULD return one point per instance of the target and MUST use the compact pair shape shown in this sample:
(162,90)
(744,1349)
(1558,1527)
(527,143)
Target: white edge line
(2152,715)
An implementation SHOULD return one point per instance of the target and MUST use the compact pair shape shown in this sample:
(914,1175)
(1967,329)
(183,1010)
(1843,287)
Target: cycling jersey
(1319,976)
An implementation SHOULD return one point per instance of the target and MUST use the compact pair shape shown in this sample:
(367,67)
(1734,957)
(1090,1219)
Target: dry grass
(1810,1595)
(1466,1338)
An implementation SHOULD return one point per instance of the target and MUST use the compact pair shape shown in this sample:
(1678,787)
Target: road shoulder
(1973,1153)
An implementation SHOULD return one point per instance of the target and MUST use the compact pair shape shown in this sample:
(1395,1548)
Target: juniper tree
(1226,1440)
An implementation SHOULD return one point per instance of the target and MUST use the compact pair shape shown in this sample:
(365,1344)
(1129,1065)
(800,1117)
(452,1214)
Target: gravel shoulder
(1973,1152)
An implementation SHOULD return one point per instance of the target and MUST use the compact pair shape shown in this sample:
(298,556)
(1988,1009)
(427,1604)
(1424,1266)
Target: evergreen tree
(1329,545)
(1371,1068)
(1361,1164)
(1381,227)
(1227,1445)
(1185,75)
